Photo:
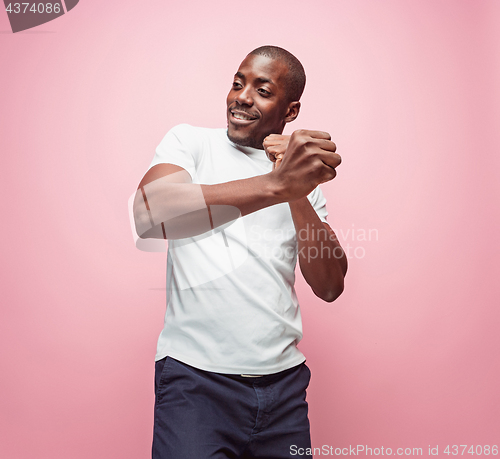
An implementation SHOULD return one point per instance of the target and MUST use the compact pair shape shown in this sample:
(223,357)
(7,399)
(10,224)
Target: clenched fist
(275,147)
(302,161)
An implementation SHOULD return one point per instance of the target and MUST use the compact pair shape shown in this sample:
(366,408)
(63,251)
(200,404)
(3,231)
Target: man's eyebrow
(258,79)
(265,80)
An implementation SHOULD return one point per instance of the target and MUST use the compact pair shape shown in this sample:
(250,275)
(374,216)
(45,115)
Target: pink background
(410,91)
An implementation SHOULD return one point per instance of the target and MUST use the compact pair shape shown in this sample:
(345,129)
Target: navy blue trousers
(204,415)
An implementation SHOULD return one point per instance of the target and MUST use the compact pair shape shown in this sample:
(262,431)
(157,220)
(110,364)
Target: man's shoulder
(185,140)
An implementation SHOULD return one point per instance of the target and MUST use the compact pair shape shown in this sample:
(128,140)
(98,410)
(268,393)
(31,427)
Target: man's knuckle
(299,136)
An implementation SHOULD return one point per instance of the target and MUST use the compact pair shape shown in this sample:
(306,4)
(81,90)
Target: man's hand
(275,146)
(305,159)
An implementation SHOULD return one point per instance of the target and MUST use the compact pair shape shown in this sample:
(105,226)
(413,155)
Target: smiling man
(278,85)
(239,207)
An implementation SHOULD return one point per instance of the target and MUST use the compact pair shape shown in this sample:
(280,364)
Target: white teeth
(240,116)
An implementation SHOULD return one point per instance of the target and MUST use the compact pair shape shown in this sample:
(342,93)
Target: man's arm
(322,260)
(167,205)
(165,195)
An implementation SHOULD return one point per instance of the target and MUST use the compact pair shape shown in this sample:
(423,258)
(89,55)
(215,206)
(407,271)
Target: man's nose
(244,96)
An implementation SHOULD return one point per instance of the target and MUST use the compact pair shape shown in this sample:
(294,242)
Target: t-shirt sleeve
(181,147)
(318,202)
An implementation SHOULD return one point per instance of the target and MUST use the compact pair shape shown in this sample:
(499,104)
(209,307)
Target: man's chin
(245,141)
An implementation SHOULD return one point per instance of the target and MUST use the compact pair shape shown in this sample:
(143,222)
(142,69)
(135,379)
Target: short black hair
(296,77)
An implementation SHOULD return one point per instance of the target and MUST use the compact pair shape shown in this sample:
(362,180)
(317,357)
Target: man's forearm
(322,261)
(187,209)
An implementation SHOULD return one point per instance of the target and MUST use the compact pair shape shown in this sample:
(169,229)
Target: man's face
(257,104)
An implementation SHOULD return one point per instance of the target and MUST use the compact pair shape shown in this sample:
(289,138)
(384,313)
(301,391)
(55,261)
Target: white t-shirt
(231,304)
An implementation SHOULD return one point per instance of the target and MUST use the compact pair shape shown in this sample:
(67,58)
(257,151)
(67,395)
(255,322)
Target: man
(229,379)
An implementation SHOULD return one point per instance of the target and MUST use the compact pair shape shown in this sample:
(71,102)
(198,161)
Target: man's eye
(236,85)
(264,92)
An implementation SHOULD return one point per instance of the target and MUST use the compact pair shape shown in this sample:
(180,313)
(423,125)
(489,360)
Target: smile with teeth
(243,116)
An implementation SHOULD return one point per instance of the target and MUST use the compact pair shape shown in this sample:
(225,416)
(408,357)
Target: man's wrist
(276,188)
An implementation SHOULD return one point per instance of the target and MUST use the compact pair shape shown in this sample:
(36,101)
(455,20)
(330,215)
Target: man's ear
(293,111)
